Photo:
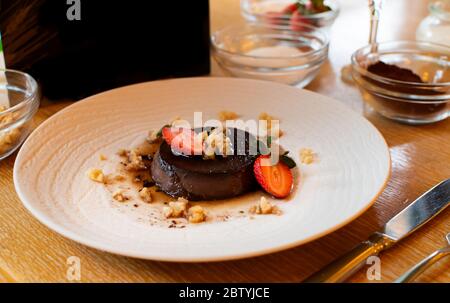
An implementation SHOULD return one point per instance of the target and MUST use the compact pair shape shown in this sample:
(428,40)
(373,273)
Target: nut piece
(177,209)
(118,196)
(306,156)
(167,211)
(146,195)
(273,126)
(217,143)
(268,118)
(197,214)
(264,207)
(102,157)
(227,115)
(154,136)
(97,175)
(119,178)
(122,152)
(135,161)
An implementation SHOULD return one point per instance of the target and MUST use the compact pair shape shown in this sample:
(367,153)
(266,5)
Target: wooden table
(420,155)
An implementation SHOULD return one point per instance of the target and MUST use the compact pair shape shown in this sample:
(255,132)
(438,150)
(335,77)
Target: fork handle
(414,272)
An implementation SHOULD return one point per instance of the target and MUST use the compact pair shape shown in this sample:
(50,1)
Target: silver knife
(402,225)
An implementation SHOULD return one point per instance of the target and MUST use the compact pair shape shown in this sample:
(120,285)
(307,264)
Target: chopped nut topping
(177,209)
(174,120)
(227,115)
(146,195)
(180,123)
(119,178)
(153,136)
(217,143)
(167,211)
(268,118)
(122,152)
(118,196)
(135,161)
(264,207)
(183,200)
(196,214)
(97,175)
(274,130)
(306,156)
(103,157)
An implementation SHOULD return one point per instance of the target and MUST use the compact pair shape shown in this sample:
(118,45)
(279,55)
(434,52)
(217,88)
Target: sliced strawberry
(298,22)
(182,140)
(275,179)
(169,133)
(290,9)
(274,18)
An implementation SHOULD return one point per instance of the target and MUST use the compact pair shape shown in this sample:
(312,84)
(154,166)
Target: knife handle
(347,265)
(414,272)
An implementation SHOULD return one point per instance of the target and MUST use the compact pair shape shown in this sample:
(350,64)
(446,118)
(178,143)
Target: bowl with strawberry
(294,14)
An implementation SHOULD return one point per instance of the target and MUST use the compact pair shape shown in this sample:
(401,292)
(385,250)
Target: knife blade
(418,213)
(425,208)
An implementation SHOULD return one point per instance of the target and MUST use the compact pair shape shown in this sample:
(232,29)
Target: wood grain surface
(420,158)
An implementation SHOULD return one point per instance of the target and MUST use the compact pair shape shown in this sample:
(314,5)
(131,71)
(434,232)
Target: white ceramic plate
(50,171)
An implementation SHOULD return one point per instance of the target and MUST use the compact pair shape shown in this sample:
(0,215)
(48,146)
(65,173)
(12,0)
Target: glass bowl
(271,12)
(435,27)
(272,53)
(407,102)
(19,101)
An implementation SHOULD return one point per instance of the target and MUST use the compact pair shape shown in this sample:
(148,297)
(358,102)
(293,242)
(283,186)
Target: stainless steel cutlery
(422,210)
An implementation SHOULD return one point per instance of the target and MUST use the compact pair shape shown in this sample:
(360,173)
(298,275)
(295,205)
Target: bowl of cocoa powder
(407,81)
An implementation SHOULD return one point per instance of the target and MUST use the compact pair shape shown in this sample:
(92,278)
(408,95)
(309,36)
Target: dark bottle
(88,46)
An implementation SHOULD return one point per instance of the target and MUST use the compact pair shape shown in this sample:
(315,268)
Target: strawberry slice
(290,9)
(274,18)
(298,22)
(275,179)
(182,141)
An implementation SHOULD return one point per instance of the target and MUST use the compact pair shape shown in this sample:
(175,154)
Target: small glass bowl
(271,12)
(272,53)
(435,27)
(21,92)
(407,102)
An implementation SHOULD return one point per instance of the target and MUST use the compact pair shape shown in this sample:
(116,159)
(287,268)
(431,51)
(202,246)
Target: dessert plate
(50,173)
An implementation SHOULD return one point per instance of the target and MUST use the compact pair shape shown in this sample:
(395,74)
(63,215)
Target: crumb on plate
(119,178)
(153,136)
(307,156)
(118,195)
(196,214)
(176,209)
(145,194)
(122,152)
(264,207)
(227,115)
(274,128)
(135,161)
(97,175)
